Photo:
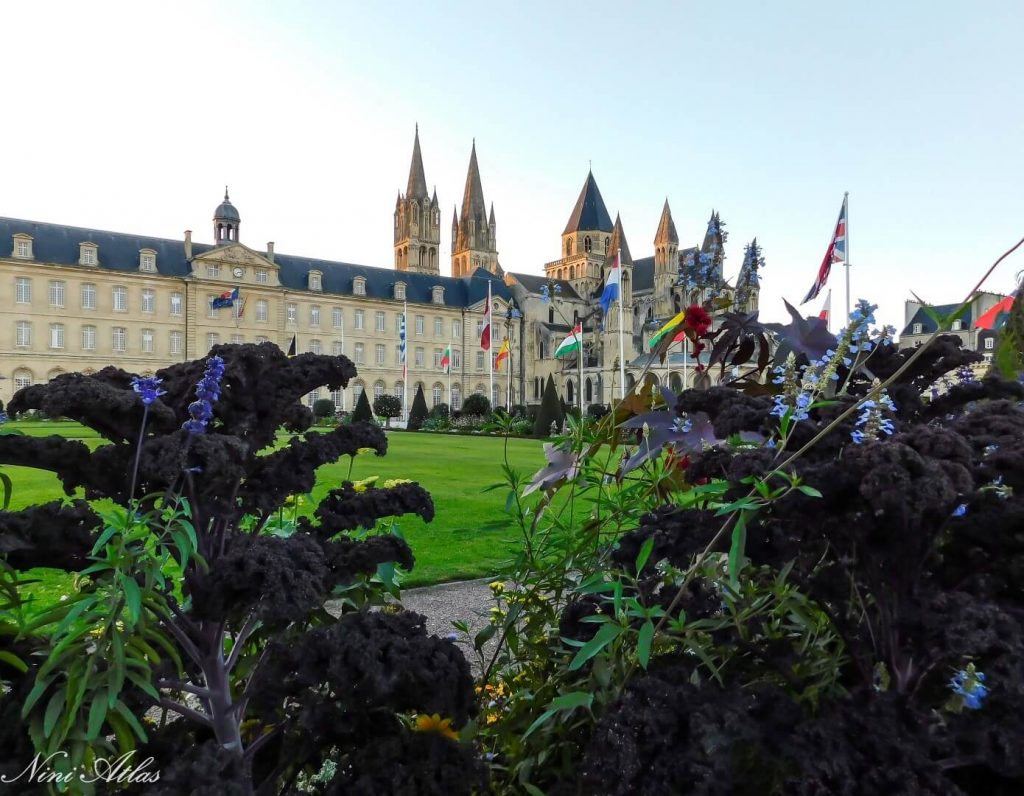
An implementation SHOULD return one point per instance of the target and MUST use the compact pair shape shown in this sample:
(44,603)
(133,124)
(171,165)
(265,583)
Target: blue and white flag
(611,285)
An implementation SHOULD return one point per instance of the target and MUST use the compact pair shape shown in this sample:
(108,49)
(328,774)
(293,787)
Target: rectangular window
(379,357)
(314,315)
(917,328)
(120,299)
(88,338)
(398,355)
(262,310)
(261,276)
(337,348)
(56,335)
(148,301)
(212,339)
(456,330)
(990,343)
(177,342)
(337,321)
(23,337)
(359,287)
(23,249)
(147,341)
(293,313)
(119,338)
(176,303)
(438,327)
(213,270)
(23,290)
(419,358)
(88,296)
(237,339)
(261,339)
(437,359)
(380,321)
(419,325)
(314,346)
(88,255)
(147,262)
(359,319)
(456,360)
(56,293)
(479,360)
(211,311)
(360,356)
(436,395)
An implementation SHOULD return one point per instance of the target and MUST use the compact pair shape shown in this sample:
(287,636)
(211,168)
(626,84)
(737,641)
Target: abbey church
(78,299)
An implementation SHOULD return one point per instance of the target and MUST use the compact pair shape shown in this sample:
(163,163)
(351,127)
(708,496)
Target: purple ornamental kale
(207,393)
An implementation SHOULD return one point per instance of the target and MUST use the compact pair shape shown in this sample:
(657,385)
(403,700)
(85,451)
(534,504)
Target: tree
(550,411)
(387,406)
(323,407)
(418,413)
(363,410)
(476,404)
(243,627)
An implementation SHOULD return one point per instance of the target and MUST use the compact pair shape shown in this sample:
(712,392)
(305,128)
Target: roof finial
(226,199)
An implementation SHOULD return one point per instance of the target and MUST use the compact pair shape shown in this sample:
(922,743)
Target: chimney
(270,250)
(188,244)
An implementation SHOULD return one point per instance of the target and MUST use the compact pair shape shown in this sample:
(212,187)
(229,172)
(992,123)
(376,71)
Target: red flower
(697,319)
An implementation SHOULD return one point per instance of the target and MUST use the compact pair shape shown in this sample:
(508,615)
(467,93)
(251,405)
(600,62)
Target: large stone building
(984,307)
(77,299)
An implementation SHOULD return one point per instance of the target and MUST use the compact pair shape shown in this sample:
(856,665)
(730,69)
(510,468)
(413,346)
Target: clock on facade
(239,273)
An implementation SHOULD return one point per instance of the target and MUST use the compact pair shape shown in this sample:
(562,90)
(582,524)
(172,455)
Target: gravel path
(465,601)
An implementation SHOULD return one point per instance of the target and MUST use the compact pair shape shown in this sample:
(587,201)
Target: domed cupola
(226,221)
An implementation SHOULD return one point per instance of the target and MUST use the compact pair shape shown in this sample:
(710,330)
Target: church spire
(666,228)
(473,244)
(417,188)
(473,198)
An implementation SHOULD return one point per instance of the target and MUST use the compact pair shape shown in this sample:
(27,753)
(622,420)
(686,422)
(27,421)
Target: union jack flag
(836,253)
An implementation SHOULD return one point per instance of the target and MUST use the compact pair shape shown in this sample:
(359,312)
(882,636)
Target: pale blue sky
(132,116)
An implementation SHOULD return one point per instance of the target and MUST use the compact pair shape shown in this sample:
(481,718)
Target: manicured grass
(470,536)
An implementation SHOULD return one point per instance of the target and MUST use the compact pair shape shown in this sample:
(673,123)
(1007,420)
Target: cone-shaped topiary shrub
(363,410)
(418,411)
(550,411)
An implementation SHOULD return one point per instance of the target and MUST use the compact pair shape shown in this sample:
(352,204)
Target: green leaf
(644,554)
(97,713)
(736,549)
(533,790)
(132,596)
(809,490)
(643,644)
(133,722)
(572,700)
(485,635)
(13,661)
(540,721)
(53,711)
(103,538)
(601,639)
(33,696)
(8,489)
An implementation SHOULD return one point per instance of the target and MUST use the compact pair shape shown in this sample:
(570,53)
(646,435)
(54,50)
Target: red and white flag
(826,309)
(836,253)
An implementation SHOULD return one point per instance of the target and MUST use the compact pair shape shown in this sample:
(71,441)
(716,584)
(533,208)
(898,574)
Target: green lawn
(471,534)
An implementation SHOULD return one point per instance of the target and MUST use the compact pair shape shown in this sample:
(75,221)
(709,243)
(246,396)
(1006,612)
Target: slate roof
(643,274)
(928,325)
(590,212)
(619,240)
(57,243)
(533,283)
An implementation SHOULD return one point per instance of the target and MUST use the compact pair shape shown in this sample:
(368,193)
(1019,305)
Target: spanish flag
(503,354)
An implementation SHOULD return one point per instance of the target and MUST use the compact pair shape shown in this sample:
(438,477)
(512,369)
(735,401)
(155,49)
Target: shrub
(180,560)
(362,412)
(597,411)
(550,411)
(518,410)
(323,407)
(476,404)
(439,410)
(418,412)
(387,406)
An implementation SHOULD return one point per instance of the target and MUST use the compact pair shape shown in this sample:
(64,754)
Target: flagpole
(490,343)
(579,364)
(405,362)
(451,354)
(343,354)
(508,396)
(846,255)
(622,350)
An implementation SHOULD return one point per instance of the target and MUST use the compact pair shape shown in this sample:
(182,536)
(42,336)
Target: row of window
(57,296)
(957,326)
(88,253)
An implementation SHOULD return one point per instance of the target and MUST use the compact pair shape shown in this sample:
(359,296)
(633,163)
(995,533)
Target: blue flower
(148,388)
(207,393)
(970,685)
(682,425)
(3,418)
(857,436)
(960,510)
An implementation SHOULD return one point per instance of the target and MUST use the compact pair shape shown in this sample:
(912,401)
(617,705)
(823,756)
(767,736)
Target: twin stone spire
(418,224)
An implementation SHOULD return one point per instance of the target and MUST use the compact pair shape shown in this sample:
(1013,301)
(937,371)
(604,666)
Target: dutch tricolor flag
(611,285)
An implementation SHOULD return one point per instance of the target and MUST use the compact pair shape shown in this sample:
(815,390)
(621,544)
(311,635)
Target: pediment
(234,254)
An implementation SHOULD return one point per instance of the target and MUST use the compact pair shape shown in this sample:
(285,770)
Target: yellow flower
(496,586)
(294,500)
(492,718)
(361,486)
(436,724)
(391,483)
(361,451)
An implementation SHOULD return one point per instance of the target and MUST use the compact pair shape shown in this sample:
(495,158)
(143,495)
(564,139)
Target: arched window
(378,390)
(586,244)
(627,295)
(570,397)
(607,243)
(588,393)
(22,378)
(357,390)
(568,247)
(456,397)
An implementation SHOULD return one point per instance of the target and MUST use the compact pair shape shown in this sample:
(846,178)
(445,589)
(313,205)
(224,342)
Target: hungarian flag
(446,359)
(611,285)
(990,318)
(672,327)
(826,309)
(503,354)
(836,253)
(571,344)
(226,299)
(485,335)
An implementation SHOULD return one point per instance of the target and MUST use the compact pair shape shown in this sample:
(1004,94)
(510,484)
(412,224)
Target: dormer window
(917,328)
(438,294)
(400,291)
(315,282)
(88,254)
(147,260)
(359,286)
(957,326)
(23,246)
